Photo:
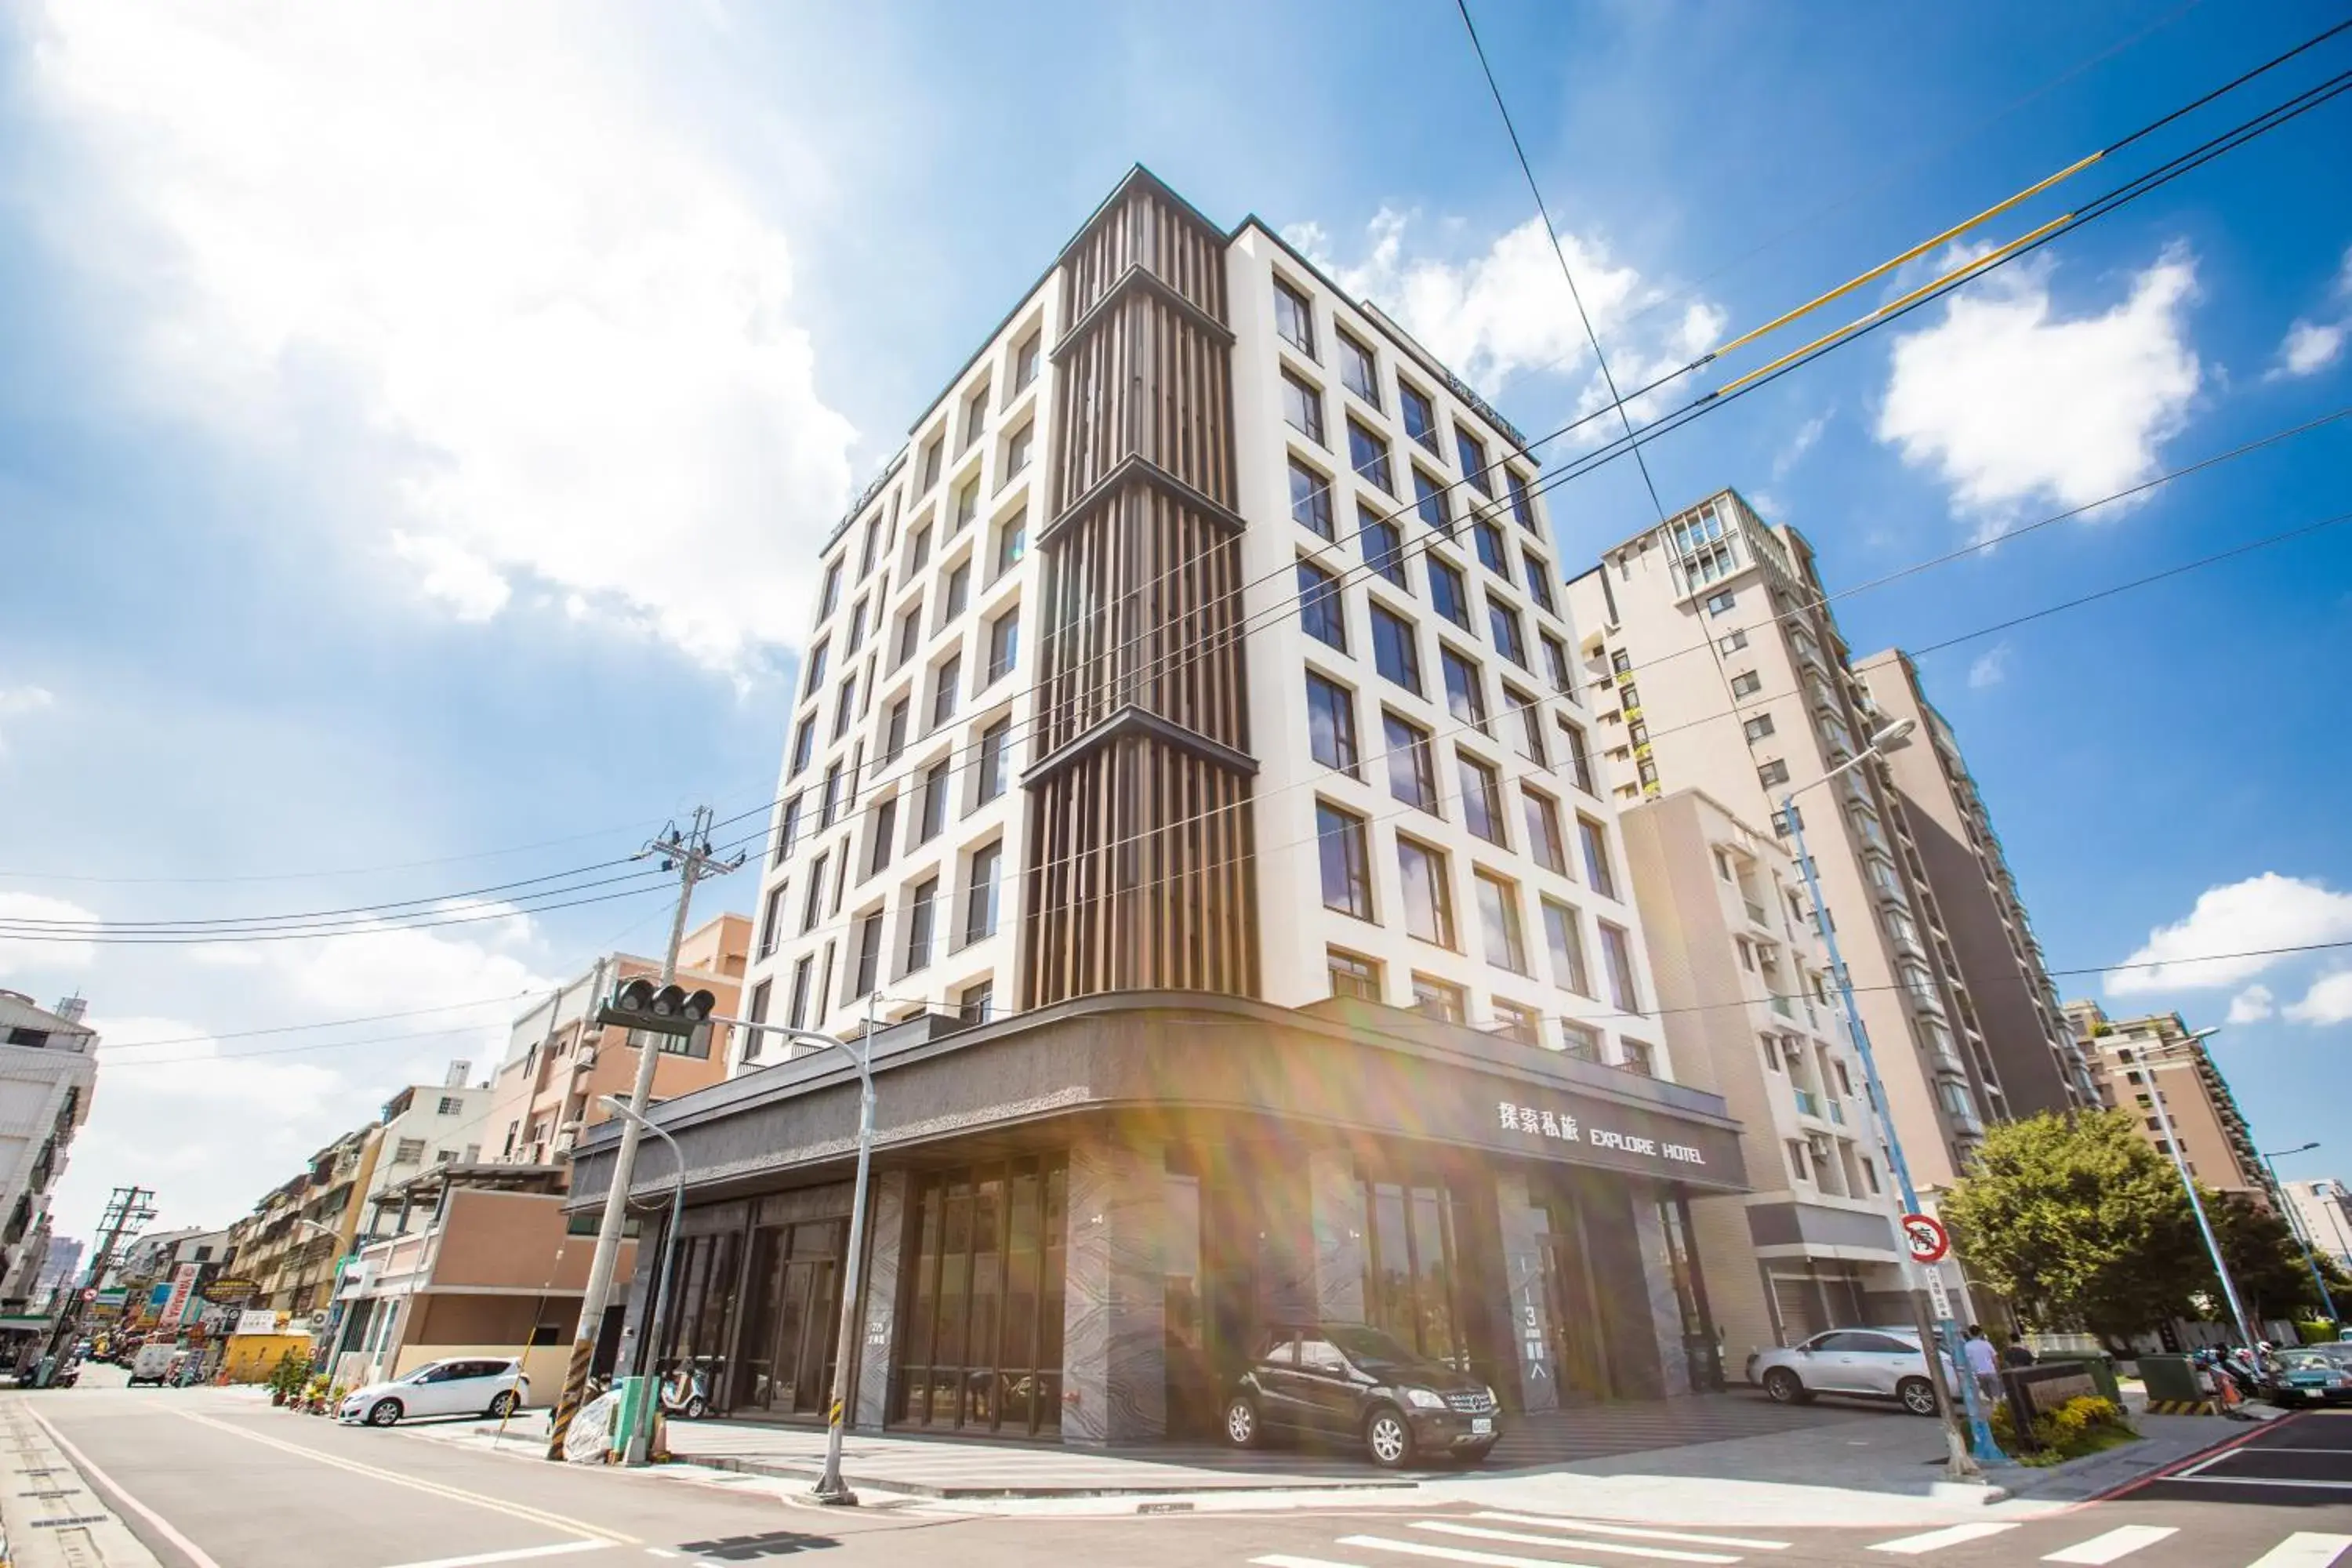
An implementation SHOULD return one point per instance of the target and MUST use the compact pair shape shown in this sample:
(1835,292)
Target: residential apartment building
(297,1234)
(2322,1208)
(1717,666)
(1189,772)
(1956,860)
(426,1124)
(49,1069)
(2134,1060)
(560,1063)
(1749,1014)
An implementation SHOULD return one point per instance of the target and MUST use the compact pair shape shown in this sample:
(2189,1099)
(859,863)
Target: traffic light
(640,1004)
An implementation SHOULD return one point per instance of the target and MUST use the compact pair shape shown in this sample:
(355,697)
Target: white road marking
(1455,1554)
(2119,1542)
(1591,1526)
(196,1554)
(1936,1540)
(1284,1559)
(519,1554)
(2303,1549)
(1609,1548)
(2257,1481)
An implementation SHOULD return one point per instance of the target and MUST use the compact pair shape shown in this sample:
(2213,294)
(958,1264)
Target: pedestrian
(1984,1362)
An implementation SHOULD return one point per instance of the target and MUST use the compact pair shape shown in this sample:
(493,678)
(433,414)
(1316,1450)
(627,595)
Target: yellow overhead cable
(1954,275)
(1924,245)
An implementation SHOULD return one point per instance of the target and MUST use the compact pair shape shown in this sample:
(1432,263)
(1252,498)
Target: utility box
(629,1395)
(2170,1377)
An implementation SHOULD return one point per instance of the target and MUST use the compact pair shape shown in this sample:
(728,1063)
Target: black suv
(1345,1380)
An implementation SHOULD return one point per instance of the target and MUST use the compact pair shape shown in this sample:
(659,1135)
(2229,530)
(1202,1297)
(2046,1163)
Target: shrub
(2081,1425)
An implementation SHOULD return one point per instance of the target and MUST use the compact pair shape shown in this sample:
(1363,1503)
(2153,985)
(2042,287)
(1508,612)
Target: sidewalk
(51,1516)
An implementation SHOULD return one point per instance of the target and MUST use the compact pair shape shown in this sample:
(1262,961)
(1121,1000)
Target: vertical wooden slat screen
(1142,872)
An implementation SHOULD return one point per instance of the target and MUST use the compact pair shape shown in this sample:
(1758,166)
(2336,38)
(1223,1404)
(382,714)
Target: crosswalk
(1495,1539)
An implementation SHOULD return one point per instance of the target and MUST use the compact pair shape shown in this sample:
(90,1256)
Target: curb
(787,1470)
(66,1520)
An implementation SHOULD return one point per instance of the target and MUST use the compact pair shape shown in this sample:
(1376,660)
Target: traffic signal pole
(690,853)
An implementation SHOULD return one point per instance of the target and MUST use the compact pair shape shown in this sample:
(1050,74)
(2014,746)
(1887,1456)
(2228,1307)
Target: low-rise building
(2133,1060)
(290,1246)
(427,1125)
(49,1069)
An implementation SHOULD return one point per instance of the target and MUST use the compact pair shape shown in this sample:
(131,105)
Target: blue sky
(414,428)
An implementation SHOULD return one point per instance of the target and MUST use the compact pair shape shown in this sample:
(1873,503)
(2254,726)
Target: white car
(1864,1363)
(461,1386)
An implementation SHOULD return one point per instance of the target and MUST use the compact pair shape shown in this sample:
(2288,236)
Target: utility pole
(128,1210)
(689,855)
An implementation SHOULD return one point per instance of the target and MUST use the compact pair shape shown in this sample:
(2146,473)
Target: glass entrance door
(789,1340)
(1577,1327)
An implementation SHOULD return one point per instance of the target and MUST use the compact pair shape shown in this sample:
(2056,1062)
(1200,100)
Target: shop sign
(262,1322)
(183,1285)
(1558,1126)
(227,1292)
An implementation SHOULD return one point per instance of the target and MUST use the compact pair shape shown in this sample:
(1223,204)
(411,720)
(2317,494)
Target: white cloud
(2329,1000)
(1799,445)
(2251,1006)
(1506,310)
(2253,916)
(1990,667)
(18,700)
(2311,345)
(22,955)
(2008,402)
(568,331)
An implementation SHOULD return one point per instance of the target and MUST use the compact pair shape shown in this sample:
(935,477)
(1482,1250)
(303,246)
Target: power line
(377,912)
(169,939)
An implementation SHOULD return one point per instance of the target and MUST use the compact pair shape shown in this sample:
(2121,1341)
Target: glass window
(1347,872)
(771,920)
(975,414)
(935,801)
(1332,723)
(1420,418)
(922,907)
(1448,593)
(894,734)
(1302,407)
(1027,358)
(1617,959)
(1732,642)
(830,802)
(1598,872)
(1356,372)
(1437,999)
(958,593)
(1581,1041)
(865,973)
(1410,1271)
(1514,1022)
(1383,546)
(1368,454)
(1637,1057)
(1481,798)
(1746,683)
(1466,689)
(1503,621)
(813,904)
(995,742)
(1293,317)
(1434,501)
(832,594)
(1011,542)
(788,830)
(1413,768)
(934,459)
(1544,841)
(1396,652)
(911,635)
(1522,505)
(1428,899)
(845,705)
(1321,612)
(1758,727)
(1003,643)
(1352,974)
(980,894)
(918,550)
(1580,761)
(815,677)
(1498,924)
(1016,449)
(1473,453)
(967,506)
(857,628)
(881,835)
(1538,579)
(947,681)
(1717,604)
(1310,499)
(1563,679)
(1773,773)
(976,1003)
(1525,725)
(980,1345)
(804,743)
(1493,553)
(1563,933)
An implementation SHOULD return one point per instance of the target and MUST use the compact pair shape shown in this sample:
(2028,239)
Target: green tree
(2265,1263)
(2079,1225)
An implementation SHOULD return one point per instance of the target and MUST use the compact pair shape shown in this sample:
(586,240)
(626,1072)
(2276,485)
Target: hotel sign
(1561,1127)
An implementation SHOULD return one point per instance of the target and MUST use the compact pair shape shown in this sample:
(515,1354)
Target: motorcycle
(685,1392)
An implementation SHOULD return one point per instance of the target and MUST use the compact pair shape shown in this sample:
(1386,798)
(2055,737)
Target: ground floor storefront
(1083,1222)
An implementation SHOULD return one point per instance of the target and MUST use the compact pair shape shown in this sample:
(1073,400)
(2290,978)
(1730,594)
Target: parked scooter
(685,1392)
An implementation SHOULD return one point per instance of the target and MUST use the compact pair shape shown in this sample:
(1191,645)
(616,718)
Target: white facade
(2323,1209)
(427,1125)
(48,1067)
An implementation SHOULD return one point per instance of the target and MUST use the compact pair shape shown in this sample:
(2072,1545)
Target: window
(1383,546)
(1356,372)
(1432,501)
(866,973)
(1719,603)
(934,456)
(946,681)
(977,1003)
(1293,317)
(1493,553)
(1352,974)
(1447,592)
(1011,542)
(975,416)
(1412,767)
(935,802)
(967,506)
(1420,418)
(1395,651)
(1732,642)
(1581,1041)
(1580,760)
(845,705)
(1758,728)
(1428,899)
(1498,924)
(1331,724)
(911,635)
(1340,838)
(1773,773)
(1746,683)
(813,905)
(1481,798)
(1565,937)
(1503,621)
(1522,505)
(804,743)
(1617,959)
(831,801)
(1473,453)
(1544,841)
(832,594)
(1302,407)
(959,597)
(1638,1057)
(771,920)
(1525,725)
(1539,580)
(1465,692)
(1368,454)
(894,734)
(1026,356)
(882,832)
(788,830)
(921,913)
(1597,870)
(995,743)
(918,550)
(1436,999)
(797,1016)
(1322,614)
(1310,499)
(1796,1158)
(408,1152)
(980,894)
(1771,1049)
(1003,645)
(1514,1022)
(815,669)
(856,628)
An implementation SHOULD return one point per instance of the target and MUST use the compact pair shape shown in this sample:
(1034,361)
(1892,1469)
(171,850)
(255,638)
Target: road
(213,1479)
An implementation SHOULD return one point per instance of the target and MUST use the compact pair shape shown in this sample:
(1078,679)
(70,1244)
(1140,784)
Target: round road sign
(1927,1238)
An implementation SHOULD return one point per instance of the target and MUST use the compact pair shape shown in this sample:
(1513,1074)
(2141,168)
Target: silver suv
(1862,1363)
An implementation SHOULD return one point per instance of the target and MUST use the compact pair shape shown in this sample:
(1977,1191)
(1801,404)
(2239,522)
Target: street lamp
(2188,1182)
(1893,737)
(2295,1224)
(635,1452)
